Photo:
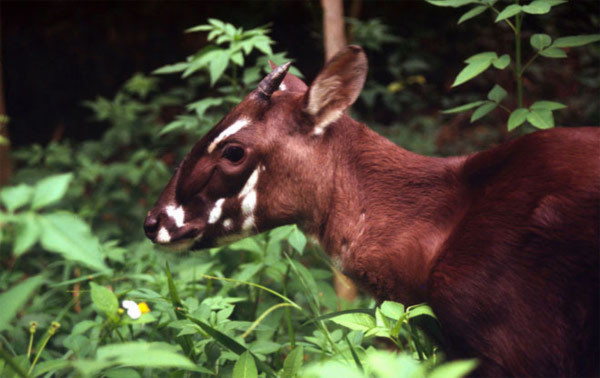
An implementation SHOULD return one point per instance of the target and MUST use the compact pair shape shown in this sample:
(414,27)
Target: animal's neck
(390,212)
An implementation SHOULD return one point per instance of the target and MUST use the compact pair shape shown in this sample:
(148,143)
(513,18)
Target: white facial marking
(227,223)
(163,236)
(282,87)
(177,214)
(249,203)
(216,211)
(234,128)
(248,197)
(248,223)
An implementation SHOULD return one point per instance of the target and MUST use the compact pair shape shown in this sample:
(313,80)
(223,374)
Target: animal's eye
(233,153)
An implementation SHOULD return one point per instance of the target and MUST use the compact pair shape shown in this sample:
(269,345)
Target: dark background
(56,54)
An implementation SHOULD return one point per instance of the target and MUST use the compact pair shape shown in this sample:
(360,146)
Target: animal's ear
(336,87)
(291,82)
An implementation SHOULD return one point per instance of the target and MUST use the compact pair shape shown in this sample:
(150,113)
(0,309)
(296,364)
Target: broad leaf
(14,298)
(293,362)
(483,110)
(14,197)
(517,117)
(576,40)
(392,310)
(497,94)
(451,3)
(104,299)
(471,70)
(454,369)
(553,52)
(540,41)
(508,12)
(144,354)
(65,233)
(218,66)
(537,7)
(297,240)
(50,190)
(472,13)
(502,62)
(484,56)
(245,367)
(548,105)
(541,118)
(27,233)
(358,322)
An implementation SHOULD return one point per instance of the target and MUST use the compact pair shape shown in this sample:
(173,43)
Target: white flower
(133,310)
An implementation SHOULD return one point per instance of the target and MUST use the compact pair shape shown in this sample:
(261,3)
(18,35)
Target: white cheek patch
(227,224)
(177,214)
(248,223)
(248,197)
(234,128)
(216,211)
(163,236)
(282,87)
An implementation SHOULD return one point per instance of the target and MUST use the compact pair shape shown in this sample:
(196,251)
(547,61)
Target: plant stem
(288,314)
(518,71)
(529,62)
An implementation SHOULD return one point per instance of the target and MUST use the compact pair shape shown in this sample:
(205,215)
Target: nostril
(151,227)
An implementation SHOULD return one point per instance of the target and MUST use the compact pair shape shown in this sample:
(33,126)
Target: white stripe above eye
(234,128)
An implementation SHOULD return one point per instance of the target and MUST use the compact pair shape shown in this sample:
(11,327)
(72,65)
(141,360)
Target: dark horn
(271,82)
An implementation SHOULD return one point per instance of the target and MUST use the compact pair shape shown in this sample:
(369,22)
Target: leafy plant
(540,113)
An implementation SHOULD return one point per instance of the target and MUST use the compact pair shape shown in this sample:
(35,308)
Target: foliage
(540,113)
(85,294)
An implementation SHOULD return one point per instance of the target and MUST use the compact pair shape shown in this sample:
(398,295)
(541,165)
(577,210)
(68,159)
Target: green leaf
(27,233)
(502,62)
(464,107)
(358,322)
(483,110)
(497,94)
(264,45)
(201,106)
(508,12)
(472,13)
(171,68)
(105,300)
(454,369)
(553,52)
(393,310)
(517,117)
(238,58)
(199,28)
(15,197)
(218,66)
(484,56)
(541,118)
(540,41)
(420,310)
(50,190)
(548,105)
(245,367)
(537,7)
(14,298)
(576,40)
(297,240)
(451,3)
(67,234)
(293,362)
(144,354)
(471,70)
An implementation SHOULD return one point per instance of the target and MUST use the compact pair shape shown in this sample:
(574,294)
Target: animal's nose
(151,226)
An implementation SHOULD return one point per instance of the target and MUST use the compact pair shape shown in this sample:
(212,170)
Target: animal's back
(518,277)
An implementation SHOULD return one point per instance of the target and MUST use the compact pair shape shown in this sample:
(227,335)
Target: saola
(503,244)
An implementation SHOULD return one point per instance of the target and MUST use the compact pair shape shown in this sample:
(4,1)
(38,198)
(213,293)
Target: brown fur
(503,244)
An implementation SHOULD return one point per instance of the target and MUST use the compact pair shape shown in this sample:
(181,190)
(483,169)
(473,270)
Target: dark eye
(233,153)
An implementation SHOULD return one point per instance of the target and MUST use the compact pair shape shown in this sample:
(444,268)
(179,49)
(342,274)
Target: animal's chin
(203,242)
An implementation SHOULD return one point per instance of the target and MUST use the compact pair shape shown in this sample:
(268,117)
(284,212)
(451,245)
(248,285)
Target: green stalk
(518,71)
(288,314)
(51,331)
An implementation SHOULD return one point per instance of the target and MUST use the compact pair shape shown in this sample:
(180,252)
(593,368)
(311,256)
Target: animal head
(265,164)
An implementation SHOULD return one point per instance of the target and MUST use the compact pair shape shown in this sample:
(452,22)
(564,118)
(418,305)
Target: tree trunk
(5,160)
(334,39)
(334,36)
